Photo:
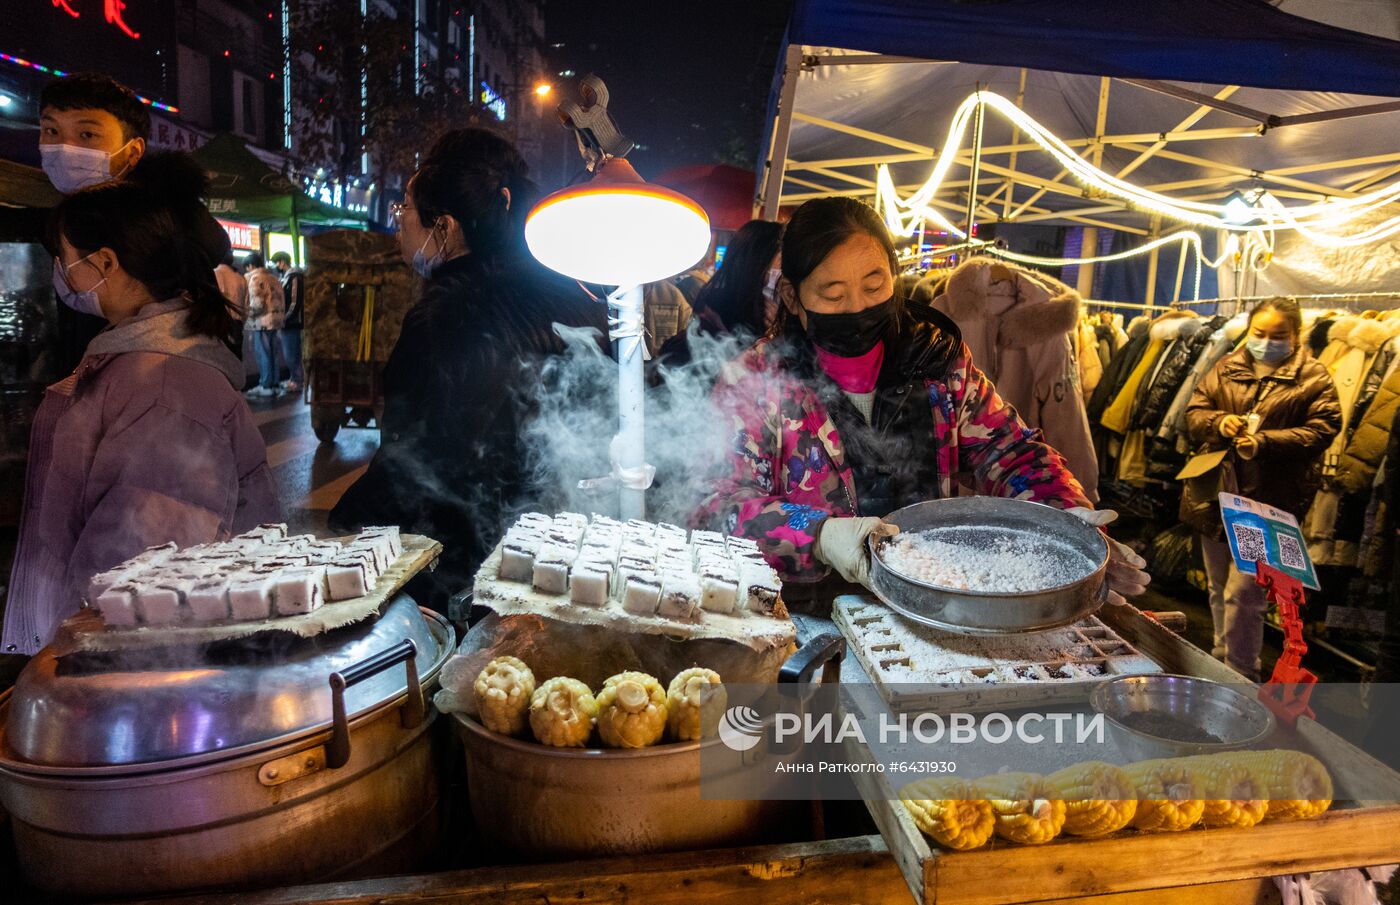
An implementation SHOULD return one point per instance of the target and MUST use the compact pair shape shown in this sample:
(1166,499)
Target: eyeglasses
(397,208)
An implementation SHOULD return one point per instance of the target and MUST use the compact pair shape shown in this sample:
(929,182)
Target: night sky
(689,80)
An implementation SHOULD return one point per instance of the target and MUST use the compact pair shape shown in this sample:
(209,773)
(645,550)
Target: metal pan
(984,613)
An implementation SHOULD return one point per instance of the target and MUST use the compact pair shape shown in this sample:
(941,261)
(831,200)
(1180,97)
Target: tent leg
(294,227)
(772,192)
(631,399)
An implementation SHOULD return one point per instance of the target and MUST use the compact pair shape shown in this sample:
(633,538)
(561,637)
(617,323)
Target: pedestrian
(266,312)
(740,299)
(451,461)
(234,287)
(289,337)
(1273,409)
(148,441)
(92,130)
(859,403)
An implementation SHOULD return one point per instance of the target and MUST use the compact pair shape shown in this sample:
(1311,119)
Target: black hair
(95,91)
(819,225)
(279,256)
(161,233)
(1287,308)
(227,258)
(462,177)
(735,293)
(253,259)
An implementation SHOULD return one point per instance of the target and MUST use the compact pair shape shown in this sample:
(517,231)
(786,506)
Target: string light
(1329,214)
(59,73)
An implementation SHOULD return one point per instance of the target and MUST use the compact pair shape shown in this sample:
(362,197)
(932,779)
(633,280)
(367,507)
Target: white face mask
(85,301)
(71,168)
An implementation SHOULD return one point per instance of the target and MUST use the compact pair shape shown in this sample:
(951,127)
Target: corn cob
(503,691)
(562,712)
(1167,796)
(631,711)
(695,702)
(951,812)
(1233,797)
(1099,798)
(1025,807)
(1296,784)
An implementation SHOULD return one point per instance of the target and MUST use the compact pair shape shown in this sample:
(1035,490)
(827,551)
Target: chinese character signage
(242,235)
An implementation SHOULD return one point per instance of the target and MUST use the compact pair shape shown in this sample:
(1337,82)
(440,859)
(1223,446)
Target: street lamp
(618,230)
(543,89)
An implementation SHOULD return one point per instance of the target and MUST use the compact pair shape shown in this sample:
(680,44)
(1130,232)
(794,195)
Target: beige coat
(1020,327)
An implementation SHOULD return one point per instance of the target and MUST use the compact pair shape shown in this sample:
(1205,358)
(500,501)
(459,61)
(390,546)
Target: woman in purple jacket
(149,440)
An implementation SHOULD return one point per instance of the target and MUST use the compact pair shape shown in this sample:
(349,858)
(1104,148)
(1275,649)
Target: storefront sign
(172,136)
(243,235)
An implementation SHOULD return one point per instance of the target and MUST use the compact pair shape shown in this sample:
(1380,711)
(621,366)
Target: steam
(575,419)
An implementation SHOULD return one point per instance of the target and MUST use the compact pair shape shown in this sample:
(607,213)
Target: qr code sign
(1290,552)
(1250,542)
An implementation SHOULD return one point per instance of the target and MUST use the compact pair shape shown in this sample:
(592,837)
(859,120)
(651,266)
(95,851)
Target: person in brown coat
(1276,462)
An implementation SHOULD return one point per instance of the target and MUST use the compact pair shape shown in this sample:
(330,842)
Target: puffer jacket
(1119,369)
(1190,336)
(1018,326)
(1366,448)
(149,441)
(1221,342)
(452,462)
(789,467)
(1299,416)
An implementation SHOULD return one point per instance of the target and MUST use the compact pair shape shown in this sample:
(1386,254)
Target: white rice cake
(680,598)
(718,595)
(250,597)
(588,584)
(641,594)
(99,583)
(536,520)
(388,532)
(208,600)
(551,573)
(571,520)
(517,562)
(299,591)
(117,604)
(348,578)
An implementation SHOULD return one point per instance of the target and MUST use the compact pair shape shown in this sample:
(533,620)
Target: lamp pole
(630,445)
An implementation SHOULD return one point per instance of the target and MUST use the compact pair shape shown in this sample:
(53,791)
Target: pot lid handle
(411,714)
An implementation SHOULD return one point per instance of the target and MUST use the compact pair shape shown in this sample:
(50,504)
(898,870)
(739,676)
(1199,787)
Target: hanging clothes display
(1020,326)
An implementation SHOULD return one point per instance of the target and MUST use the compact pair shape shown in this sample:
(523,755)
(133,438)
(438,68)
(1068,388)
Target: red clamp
(1289,689)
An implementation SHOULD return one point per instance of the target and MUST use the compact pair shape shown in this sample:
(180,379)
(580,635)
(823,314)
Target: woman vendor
(860,403)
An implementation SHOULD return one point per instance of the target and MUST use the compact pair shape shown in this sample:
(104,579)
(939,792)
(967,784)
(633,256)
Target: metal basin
(981,521)
(1180,706)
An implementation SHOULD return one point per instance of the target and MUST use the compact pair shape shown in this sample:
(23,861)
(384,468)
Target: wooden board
(86,632)
(893,649)
(852,871)
(1360,831)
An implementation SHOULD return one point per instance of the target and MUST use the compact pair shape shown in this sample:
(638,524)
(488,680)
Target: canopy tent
(243,187)
(22,186)
(1269,103)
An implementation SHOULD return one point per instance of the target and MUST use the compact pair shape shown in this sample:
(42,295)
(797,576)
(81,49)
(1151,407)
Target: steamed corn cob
(562,712)
(631,711)
(951,812)
(1168,799)
(695,701)
(1232,796)
(503,691)
(1297,785)
(1025,806)
(1099,798)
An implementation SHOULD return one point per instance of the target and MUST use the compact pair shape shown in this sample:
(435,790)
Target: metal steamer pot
(248,763)
(553,803)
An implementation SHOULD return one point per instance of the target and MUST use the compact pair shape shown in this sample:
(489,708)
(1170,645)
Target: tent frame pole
(771,197)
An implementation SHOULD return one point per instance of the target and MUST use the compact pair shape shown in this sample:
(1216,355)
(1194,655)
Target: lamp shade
(617,230)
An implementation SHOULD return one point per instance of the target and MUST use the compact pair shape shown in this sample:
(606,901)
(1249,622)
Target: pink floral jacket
(787,470)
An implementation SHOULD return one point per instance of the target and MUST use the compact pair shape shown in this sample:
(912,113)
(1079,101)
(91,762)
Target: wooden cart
(1199,867)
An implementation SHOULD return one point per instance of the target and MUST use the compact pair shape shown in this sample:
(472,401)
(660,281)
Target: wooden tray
(1360,831)
(86,632)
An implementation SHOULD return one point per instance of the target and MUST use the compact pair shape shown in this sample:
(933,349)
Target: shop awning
(1229,42)
(244,188)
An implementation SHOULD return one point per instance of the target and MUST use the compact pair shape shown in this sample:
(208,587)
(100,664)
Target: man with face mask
(92,130)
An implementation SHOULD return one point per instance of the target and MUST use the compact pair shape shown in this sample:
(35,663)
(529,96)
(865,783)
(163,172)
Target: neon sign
(242,235)
(112,11)
(493,101)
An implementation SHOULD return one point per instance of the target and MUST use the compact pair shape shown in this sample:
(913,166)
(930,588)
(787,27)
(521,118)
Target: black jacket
(1115,376)
(1179,361)
(293,292)
(456,392)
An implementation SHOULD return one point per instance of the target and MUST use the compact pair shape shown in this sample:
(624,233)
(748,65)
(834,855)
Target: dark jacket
(293,292)
(450,463)
(1193,335)
(1117,372)
(1299,415)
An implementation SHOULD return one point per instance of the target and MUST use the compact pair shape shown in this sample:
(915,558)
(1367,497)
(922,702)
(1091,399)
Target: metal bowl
(981,520)
(1231,714)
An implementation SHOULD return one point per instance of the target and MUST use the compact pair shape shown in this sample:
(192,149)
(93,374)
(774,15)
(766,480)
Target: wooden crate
(1359,831)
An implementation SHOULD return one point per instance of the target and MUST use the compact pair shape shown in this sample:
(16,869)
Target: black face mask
(851,335)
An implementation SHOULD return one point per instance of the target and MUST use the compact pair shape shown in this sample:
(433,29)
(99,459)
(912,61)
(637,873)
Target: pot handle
(824,651)
(411,714)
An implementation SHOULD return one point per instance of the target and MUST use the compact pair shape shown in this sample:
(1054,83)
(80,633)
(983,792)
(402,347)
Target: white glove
(841,545)
(1127,575)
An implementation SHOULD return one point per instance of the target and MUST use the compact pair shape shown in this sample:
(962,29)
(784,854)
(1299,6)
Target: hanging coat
(1189,336)
(1221,342)
(1118,371)
(1018,325)
(1364,451)
(1086,353)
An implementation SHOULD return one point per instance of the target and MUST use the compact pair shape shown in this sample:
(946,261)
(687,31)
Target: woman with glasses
(451,463)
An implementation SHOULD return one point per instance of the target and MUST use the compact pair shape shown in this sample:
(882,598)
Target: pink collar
(854,375)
